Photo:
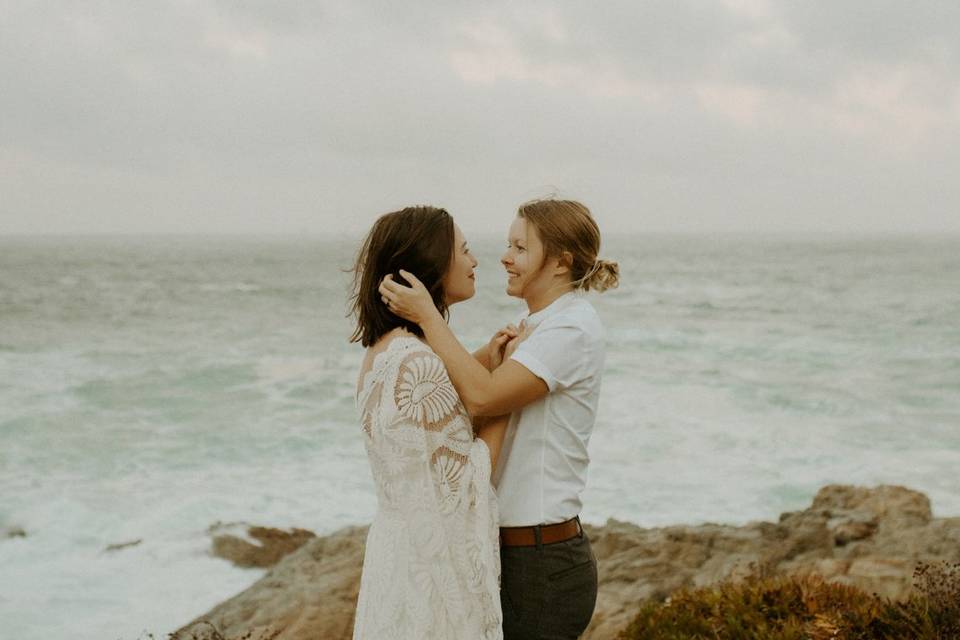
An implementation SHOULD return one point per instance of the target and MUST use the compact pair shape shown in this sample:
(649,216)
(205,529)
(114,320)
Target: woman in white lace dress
(431,567)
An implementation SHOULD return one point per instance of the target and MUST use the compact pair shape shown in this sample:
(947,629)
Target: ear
(565,262)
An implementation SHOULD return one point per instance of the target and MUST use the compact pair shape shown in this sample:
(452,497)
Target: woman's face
(460,282)
(523,260)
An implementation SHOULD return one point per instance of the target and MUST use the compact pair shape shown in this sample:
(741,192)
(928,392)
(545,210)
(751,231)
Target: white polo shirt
(543,465)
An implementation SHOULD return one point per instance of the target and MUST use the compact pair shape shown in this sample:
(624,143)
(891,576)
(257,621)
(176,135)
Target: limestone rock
(868,537)
(14,532)
(887,577)
(896,506)
(311,593)
(122,545)
(267,547)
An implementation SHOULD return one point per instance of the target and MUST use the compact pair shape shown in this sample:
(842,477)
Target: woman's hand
(411,303)
(498,343)
(515,341)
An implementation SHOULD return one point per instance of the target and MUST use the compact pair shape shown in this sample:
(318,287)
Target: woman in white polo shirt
(548,379)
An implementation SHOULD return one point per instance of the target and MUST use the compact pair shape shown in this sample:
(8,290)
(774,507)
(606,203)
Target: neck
(542,301)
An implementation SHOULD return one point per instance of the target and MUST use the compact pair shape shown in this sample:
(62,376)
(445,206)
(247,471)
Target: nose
(505,258)
(474,261)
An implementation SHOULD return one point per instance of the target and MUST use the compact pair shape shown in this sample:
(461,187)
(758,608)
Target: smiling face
(459,283)
(530,274)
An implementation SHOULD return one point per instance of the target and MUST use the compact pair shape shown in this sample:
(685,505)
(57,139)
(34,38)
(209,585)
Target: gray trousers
(548,592)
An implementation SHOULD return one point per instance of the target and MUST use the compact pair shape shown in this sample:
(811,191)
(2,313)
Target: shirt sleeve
(556,354)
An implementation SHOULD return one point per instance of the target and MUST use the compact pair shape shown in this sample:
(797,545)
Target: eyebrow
(464,245)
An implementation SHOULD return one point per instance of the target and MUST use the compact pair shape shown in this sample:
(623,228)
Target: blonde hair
(566,225)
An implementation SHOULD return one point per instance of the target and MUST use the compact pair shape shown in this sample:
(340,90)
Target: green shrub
(763,607)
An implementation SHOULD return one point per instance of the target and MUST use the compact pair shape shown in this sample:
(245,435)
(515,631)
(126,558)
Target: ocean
(151,387)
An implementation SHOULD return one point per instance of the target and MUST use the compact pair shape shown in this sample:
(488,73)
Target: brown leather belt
(547,533)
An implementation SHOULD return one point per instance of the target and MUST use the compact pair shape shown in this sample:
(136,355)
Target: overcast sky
(290,117)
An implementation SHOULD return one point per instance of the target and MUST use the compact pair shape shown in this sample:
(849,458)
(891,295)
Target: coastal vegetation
(769,607)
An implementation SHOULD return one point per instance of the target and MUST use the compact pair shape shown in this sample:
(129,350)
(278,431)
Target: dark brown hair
(566,225)
(416,239)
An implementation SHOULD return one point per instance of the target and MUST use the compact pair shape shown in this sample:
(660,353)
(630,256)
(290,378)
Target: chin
(466,295)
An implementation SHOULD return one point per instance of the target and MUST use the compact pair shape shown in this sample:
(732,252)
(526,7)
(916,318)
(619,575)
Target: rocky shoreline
(871,538)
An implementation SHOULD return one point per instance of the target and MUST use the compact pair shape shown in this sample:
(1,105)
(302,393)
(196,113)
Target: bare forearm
(492,431)
(469,376)
(482,355)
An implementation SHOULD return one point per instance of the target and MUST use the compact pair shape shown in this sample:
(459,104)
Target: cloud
(749,62)
(214,115)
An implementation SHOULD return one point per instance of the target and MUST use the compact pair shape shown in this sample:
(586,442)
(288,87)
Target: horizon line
(305,234)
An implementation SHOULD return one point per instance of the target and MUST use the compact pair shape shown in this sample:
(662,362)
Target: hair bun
(604,275)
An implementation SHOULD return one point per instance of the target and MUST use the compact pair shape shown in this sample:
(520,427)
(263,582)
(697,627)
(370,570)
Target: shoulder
(579,317)
(422,390)
(416,358)
(584,310)
(408,358)
(419,370)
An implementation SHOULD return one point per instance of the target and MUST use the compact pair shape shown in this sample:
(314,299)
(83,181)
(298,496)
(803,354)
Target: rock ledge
(868,537)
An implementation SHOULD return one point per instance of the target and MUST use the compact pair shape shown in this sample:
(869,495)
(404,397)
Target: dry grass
(209,631)
(764,607)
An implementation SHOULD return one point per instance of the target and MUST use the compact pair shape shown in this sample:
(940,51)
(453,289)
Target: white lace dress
(431,568)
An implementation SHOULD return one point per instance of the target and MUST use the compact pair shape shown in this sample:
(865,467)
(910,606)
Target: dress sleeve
(455,513)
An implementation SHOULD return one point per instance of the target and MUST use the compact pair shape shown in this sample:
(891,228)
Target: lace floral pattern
(432,565)
(424,392)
